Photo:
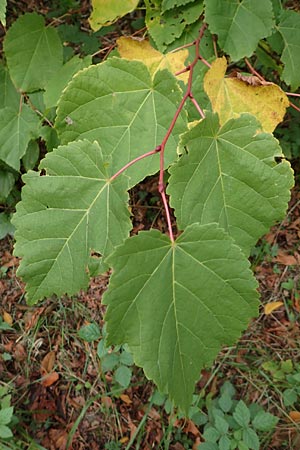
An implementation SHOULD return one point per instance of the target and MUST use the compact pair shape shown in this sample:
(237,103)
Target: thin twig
(253,71)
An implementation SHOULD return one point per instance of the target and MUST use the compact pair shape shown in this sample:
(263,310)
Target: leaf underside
(176,305)
(230,177)
(118,104)
(65,215)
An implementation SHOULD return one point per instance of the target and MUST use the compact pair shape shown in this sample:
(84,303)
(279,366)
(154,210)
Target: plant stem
(292,94)
(294,106)
(144,155)
(161,148)
(188,94)
(253,71)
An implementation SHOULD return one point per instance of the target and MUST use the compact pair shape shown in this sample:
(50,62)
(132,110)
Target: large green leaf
(9,95)
(34,53)
(289,28)
(230,177)
(175,305)
(239,24)
(169,4)
(16,130)
(58,82)
(118,104)
(65,215)
(167,26)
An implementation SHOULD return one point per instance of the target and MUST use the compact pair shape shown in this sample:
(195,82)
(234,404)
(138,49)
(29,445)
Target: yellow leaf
(107,12)
(7,318)
(270,307)
(123,440)
(295,416)
(141,50)
(232,96)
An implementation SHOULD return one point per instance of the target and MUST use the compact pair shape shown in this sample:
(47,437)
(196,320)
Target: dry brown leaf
(125,398)
(107,402)
(286,260)
(272,306)
(48,363)
(7,318)
(295,416)
(50,379)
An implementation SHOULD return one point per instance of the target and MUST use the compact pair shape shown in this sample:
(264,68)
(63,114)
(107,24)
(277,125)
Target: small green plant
(7,418)
(286,377)
(117,359)
(231,424)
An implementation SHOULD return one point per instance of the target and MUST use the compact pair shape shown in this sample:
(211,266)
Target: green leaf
(251,439)
(264,421)
(118,104)
(225,402)
(167,26)
(90,332)
(5,432)
(17,128)
(170,4)
(221,425)
(58,82)
(211,434)
(289,397)
(239,24)
(64,215)
(160,293)
(224,443)
(109,362)
(9,95)
(31,156)
(241,414)
(230,177)
(123,376)
(7,181)
(289,28)
(208,446)
(6,415)
(3,12)
(33,52)
(105,13)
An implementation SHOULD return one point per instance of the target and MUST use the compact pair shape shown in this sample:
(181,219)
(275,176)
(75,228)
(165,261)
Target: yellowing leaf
(105,13)
(7,318)
(270,307)
(232,96)
(295,416)
(141,50)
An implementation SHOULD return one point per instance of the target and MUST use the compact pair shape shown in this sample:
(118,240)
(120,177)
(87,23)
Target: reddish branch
(161,148)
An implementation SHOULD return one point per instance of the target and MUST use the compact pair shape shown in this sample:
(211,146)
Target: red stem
(161,148)
(253,71)
(294,106)
(152,152)
(292,94)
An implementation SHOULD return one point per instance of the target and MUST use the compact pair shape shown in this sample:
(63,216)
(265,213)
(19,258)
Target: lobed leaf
(230,177)
(66,214)
(239,24)
(126,110)
(176,304)
(17,128)
(289,28)
(165,26)
(34,53)
(232,96)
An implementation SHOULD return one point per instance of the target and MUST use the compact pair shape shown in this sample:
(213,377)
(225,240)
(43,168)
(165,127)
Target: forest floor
(63,397)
